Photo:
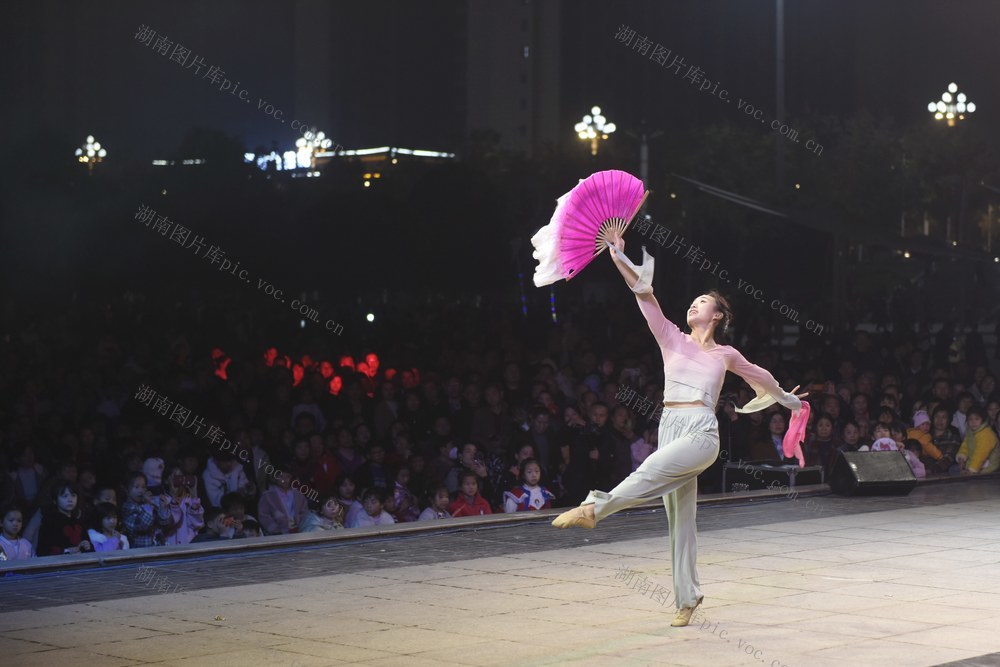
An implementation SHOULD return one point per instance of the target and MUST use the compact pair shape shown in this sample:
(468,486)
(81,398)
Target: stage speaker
(871,474)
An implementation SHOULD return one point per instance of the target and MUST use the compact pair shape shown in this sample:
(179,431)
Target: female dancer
(694,367)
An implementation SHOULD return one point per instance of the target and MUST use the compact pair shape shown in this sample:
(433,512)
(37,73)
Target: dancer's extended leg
(668,468)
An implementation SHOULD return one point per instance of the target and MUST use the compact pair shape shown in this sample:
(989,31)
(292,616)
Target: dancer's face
(702,312)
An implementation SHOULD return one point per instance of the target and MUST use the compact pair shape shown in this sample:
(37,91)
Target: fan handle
(612,226)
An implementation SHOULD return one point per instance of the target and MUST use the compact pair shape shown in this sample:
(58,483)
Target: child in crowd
(143,517)
(644,446)
(467,500)
(529,495)
(979,451)
(282,509)
(251,528)
(961,417)
(329,517)
(438,508)
(911,450)
(235,505)
(217,526)
(883,439)
(373,515)
(14,546)
(61,531)
(224,474)
(104,534)
(407,508)
(346,496)
(153,468)
(187,516)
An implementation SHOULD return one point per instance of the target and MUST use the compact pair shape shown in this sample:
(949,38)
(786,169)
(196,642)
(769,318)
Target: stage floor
(802,582)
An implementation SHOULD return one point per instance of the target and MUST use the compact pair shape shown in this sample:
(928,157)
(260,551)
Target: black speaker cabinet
(871,474)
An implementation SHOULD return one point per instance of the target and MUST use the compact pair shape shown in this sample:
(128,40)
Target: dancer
(694,367)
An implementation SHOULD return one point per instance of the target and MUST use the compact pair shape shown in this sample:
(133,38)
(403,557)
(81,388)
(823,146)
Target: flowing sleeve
(666,332)
(762,382)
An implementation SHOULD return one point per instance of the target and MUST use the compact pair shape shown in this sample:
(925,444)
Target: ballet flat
(574,518)
(684,614)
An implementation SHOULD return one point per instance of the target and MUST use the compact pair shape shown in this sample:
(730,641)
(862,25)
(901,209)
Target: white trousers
(688,443)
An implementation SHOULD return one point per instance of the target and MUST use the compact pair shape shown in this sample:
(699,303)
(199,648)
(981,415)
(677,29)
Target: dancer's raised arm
(640,280)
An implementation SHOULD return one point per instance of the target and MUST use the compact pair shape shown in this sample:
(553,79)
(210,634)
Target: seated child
(979,451)
(251,528)
(104,533)
(438,508)
(186,513)
(346,496)
(14,546)
(911,450)
(407,508)
(218,526)
(883,439)
(467,500)
(373,515)
(644,446)
(282,509)
(60,531)
(329,517)
(529,495)
(143,516)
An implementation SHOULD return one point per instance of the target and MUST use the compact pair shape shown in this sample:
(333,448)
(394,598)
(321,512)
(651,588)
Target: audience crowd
(473,413)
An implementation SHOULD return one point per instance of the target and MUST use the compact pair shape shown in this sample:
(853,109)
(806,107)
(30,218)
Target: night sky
(397,69)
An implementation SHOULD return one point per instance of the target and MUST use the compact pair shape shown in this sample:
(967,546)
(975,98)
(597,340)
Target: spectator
(644,446)
(60,531)
(29,476)
(851,436)
(217,526)
(821,445)
(469,460)
(541,434)
(373,514)
(282,509)
(104,534)
(964,402)
(143,516)
(438,507)
(770,448)
(14,546)
(187,516)
(979,452)
(223,474)
(468,501)
(374,474)
(407,506)
(529,494)
(329,517)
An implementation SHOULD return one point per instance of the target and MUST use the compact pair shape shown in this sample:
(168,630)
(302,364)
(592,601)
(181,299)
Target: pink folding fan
(586,218)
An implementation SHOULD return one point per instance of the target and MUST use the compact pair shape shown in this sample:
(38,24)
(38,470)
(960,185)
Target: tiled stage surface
(808,582)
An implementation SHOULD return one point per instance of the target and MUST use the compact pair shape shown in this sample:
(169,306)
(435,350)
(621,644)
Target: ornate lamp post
(594,127)
(952,106)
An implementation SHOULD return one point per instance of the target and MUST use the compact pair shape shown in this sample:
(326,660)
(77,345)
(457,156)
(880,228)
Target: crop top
(692,373)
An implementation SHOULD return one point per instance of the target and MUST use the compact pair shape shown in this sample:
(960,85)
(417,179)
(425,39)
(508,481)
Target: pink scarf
(791,444)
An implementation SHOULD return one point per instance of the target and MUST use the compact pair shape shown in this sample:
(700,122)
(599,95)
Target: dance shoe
(683,616)
(578,516)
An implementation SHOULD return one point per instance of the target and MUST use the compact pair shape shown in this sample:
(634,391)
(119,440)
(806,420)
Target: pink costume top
(691,373)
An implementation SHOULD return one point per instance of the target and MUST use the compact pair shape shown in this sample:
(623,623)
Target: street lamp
(952,106)
(307,146)
(594,127)
(91,153)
